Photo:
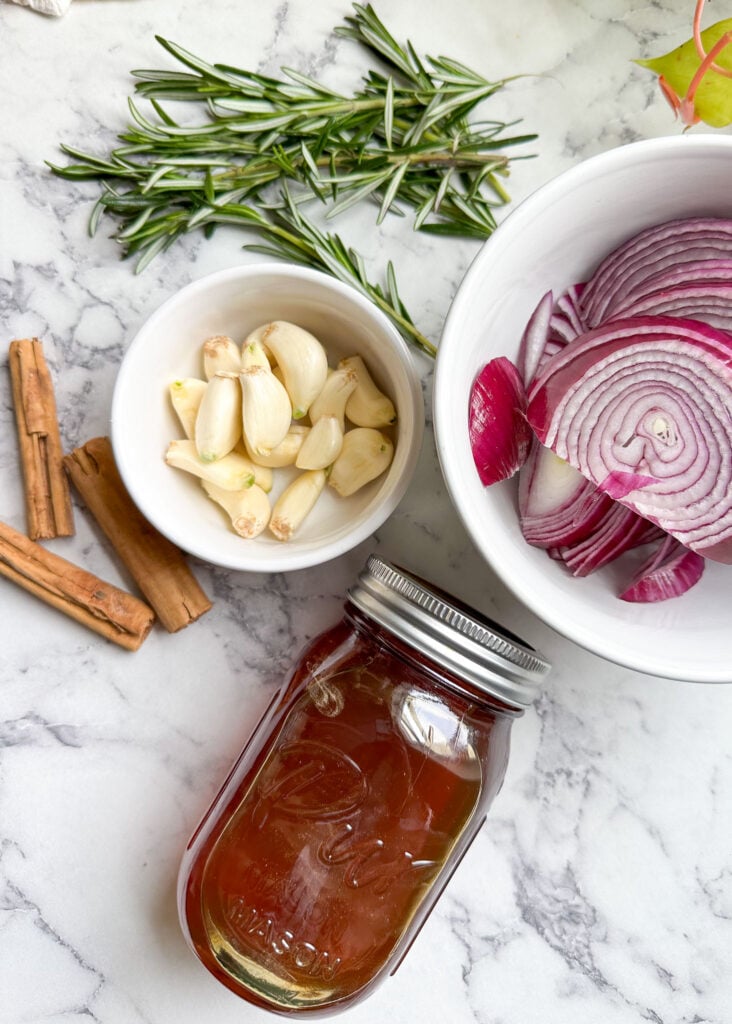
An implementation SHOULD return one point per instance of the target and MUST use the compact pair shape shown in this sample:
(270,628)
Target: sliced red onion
(649,276)
(671,570)
(648,401)
(500,437)
(651,251)
(568,319)
(671,274)
(619,531)
(534,338)
(709,300)
(557,505)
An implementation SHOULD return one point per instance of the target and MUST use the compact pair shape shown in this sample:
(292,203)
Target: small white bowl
(554,239)
(168,346)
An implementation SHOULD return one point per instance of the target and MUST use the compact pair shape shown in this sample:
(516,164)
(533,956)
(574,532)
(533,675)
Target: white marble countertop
(601,888)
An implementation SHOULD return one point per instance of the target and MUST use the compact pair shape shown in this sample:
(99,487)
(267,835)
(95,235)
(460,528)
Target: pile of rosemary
(267,145)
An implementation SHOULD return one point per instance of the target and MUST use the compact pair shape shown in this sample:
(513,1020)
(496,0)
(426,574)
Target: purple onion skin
(500,437)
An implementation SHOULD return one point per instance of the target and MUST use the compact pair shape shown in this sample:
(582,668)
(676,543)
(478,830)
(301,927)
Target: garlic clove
(322,445)
(220,353)
(262,474)
(233,472)
(367,406)
(285,453)
(295,503)
(334,395)
(248,510)
(218,423)
(300,356)
(253,354)
(365,454)
(185,396)
(266,409)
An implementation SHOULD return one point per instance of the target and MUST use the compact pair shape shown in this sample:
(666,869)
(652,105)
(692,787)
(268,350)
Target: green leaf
(713,100)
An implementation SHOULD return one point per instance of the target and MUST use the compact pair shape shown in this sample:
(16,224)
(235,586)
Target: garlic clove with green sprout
(248,510)
(367,406)
(218,423)
(185,396)
(301,358)
(253,353)
(220,353)
(322,445)
(233,472)
(262,474)
(334,395)
(295,503)
(365,454)
(266,409)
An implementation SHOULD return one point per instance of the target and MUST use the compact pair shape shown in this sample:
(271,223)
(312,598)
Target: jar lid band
(449,632)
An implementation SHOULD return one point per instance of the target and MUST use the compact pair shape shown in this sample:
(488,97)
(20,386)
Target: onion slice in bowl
(619,531)
(671,570)
(500,437)
(708,300)
(656,250)
(534,338)
(558,506)
(643,408)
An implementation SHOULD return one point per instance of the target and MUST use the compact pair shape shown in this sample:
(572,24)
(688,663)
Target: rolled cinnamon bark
(47,499)
(109,611)
(158,567)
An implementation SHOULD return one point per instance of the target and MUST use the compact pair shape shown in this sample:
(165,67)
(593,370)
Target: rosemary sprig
(402,139)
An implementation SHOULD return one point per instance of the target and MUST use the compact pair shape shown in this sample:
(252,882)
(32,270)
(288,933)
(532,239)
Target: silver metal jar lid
(451,634)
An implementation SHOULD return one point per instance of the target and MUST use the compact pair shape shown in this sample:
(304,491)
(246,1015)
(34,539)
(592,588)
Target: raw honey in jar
(360,790)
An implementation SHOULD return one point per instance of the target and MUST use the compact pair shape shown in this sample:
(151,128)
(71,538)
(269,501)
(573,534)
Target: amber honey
(343,820)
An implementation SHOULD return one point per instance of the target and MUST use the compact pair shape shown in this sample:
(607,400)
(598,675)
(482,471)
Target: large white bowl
(234,302)
(553,239)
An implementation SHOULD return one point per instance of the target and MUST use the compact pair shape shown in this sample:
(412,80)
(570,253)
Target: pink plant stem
(686,108)
(700,45)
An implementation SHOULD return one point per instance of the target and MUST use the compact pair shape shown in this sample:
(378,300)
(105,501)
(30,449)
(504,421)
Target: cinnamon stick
(158,567)
(47,499)
(106,609)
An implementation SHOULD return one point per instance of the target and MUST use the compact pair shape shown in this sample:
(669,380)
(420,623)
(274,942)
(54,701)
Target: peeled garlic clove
(301,358)
(248,510)
(365,454)
(253,354)
(285,453)
(322,445)
(232,473)
(336,391)
(295,502)
(367,406)
(185,396)
(218,423)
(262,474)
(220,353)
(266,409)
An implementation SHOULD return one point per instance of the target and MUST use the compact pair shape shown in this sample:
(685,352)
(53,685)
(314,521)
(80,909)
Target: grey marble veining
(601,887)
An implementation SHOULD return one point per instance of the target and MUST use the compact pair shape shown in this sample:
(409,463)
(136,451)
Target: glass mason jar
(359,792)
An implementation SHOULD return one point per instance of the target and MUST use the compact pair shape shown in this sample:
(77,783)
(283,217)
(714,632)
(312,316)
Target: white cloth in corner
(56,7)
